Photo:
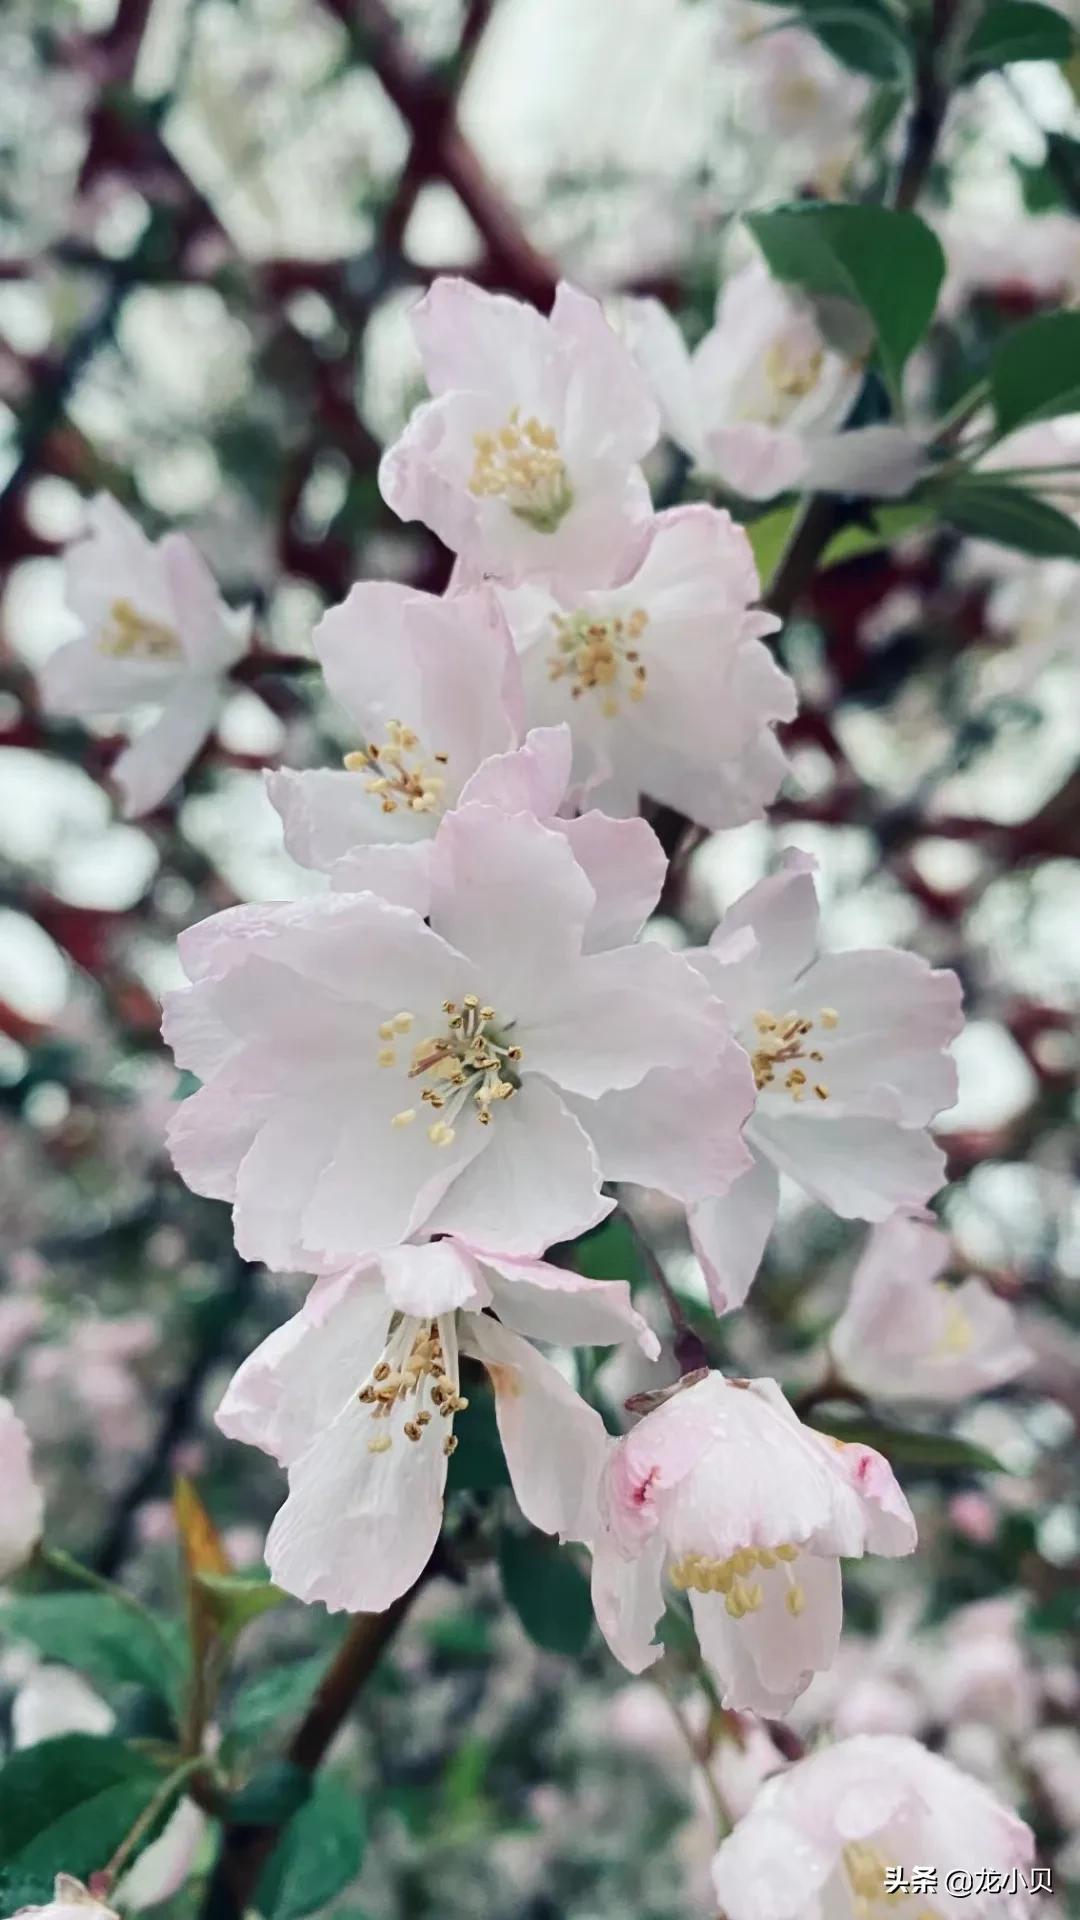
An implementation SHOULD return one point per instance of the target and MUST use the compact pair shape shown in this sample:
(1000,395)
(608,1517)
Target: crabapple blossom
(157,636)
(524,462)
(368,1076)
(905,1336)
(431,687)
(849,1057)
(70,1901)
(832,1833)
(450,669)
(757,403)
(22,1511)
(358,1394)
(662,676)
(722,1491)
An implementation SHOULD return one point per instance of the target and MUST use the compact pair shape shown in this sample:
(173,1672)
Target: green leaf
(1011,517)
(319,1853)
(548,1591)
(273,1795)
(1016,30)
(1035,372)
(1059,1614)
(886,525)
(768,536)
(274,1697)
(68,1803)
(888,262)
(904,1447)
(864,35)
(233,1599)
(609,1252)
(113,1645)
(478,1464)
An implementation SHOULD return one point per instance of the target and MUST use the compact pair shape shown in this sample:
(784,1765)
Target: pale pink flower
(358,1396)
(757,403)
(849,1057)
(983,1672)
(431,687)
(368,1077)
(722,1491)
(70,1901)
(438,691)
(22,1508)
(904,1335)
(525,460)
(157,636)
(663,677)
(822,1837)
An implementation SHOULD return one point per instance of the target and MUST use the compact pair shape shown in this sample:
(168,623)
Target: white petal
(359,1527)
(147,770)
(765,1660)
(628,1601)
(553,1440)
(537,1181)
(730,1233)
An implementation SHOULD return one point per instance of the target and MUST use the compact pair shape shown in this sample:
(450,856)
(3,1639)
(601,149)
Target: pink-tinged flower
(369,1077)
(431,687)
(70,1901)
(22,1509)
(757,404)
(663,678)
(436,700)
(906,1336)
(833,1833)
(725,1494)
(358,1396)
(849,1057)
(157,636)
(525,460)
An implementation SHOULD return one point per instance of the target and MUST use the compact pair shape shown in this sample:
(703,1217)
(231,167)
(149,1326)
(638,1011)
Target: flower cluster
(460,1053)
(416,1083)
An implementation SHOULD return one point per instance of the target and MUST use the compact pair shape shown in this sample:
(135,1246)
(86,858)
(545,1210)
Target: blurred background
(214,216)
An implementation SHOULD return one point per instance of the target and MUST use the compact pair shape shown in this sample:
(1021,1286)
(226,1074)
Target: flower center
(732,1578)
(957,1334)
(415,1376)
(472,1060)
(600,655)
(791,366)
(398,775)
(877,1886)
(779,1047)
(130,636)
(521,464)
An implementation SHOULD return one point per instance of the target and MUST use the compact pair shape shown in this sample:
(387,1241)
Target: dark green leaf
(1035,372)
(68,1803)
(993,510)
(888,262)
(609,1252)
(111,1644)
(1060,1614)
(235,1598)
(478,1463)
(1016,30)
(548,1591)
(319,1853)
(273,1794)
(906,1448)
(276,1696)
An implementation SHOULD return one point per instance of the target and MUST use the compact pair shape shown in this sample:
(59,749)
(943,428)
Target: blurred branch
(209,1341)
